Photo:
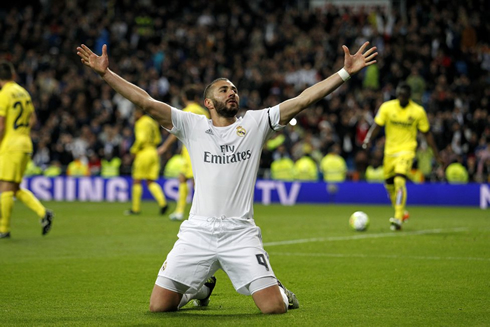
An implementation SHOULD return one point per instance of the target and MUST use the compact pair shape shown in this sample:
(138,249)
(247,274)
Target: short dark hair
(191,92)
(7,70)
(403,87)
(207,90)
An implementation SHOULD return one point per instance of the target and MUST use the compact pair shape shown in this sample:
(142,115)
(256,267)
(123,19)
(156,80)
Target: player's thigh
(403,164)
(243,258)
(388,167)
(13,166)
(146,165)
(193,259)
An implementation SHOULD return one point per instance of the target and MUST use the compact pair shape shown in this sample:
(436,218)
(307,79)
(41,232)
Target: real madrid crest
(240,131)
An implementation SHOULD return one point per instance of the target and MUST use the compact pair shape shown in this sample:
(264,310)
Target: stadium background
(97,267)
(271,50)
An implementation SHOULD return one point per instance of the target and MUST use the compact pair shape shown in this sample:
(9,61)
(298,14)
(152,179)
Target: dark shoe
(210,283)
(395,224)
(5,235)
(293,302)
(163,210)
(47,221)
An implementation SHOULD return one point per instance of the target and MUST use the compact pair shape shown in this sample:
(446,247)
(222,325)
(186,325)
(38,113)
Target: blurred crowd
(271,50)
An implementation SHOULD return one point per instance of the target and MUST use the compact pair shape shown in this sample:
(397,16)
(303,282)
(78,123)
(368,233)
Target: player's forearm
(133,93)
(372,133)
(2,129)
(432,144)
(311,95)
(320,90)
(168,142)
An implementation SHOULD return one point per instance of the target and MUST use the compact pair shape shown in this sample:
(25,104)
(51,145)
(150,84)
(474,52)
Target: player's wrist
(344,74)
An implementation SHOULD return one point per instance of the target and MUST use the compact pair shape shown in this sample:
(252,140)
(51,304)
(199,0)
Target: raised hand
(359,60)
(98,63)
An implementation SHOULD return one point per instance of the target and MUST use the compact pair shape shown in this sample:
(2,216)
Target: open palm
(359,60)
(90,59)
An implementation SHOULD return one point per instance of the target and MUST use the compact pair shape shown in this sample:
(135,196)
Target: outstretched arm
(159,111)
(352,64)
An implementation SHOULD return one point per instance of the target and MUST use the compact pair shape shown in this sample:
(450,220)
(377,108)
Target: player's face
(225,99)
(403,97)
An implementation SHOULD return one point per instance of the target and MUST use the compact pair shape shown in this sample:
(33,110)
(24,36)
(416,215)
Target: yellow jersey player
(190,98)
(146,164)
(17,116)
(402,119)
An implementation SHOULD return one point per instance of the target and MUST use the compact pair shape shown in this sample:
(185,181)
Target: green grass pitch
(97,267)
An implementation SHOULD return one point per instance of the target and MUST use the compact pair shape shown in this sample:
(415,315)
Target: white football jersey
(225,160)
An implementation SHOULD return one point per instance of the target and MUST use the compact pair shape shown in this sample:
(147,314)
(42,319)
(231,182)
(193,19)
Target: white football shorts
(208,244)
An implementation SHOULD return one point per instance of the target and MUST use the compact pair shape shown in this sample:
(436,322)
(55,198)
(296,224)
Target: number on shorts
(261,260)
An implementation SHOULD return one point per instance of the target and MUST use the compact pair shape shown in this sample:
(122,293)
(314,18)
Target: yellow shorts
(399,164)
(186,168)
(13,165)
(146,164)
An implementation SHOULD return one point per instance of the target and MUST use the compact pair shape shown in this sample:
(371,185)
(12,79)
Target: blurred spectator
(110,166)
(53,170)
(483,168)
(374,172)
(282,168)
(424,157)
(333,166)
(42,156)
(94,163)
(456,173)
(440,48)
(415,174)
(126,165)
(32,169)
(78,168)
(173,167)
(417,83)
(305,168)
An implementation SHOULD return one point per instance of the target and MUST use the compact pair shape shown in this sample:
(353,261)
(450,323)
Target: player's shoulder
(7,88)
(389,104)
(254,115)
(257,112)
(417,108)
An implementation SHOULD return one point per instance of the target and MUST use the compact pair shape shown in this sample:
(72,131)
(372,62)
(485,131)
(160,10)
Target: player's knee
(162,307)
(399,181)
(274,307)
(163,300)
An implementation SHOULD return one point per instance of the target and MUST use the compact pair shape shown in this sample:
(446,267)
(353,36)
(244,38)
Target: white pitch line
(364,236)
(338,255)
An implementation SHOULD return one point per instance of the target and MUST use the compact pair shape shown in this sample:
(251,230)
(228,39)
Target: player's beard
(224,110)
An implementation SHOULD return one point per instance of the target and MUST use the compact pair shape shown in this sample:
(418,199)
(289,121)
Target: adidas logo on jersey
(210,132)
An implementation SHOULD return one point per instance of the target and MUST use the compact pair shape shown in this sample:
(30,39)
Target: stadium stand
(271,50)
